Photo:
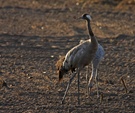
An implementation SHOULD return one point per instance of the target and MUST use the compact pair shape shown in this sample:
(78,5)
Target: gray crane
(79,57)
(95,63)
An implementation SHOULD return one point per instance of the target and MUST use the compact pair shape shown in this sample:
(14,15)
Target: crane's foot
(62,102)
(89,93)
(98,96)
(90,98)
(78,102)
(101,97)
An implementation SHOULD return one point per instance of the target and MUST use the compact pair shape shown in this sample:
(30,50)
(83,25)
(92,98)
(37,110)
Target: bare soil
(34,33)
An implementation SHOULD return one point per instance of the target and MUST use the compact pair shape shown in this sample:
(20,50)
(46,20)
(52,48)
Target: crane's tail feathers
(59,62)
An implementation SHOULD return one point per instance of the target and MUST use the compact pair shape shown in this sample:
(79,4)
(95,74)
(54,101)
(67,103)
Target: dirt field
(34,33)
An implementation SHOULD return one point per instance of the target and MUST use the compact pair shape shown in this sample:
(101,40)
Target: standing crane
(79,57)
(95,63)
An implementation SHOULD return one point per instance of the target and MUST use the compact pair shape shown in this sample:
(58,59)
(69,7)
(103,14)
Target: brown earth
(34,33)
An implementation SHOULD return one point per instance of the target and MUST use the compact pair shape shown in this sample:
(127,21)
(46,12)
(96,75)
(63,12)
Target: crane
(95,63)
(79,57)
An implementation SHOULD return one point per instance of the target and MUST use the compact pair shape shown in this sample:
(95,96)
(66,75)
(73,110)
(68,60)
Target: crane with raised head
(95,64)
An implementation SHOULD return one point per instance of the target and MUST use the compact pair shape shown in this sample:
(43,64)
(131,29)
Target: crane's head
(60,69)
(86,17)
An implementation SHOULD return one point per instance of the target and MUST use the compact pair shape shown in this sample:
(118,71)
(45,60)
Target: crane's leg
(90,85)
(88,72)
(73,75)
(96,79)
(78,72)
(94,74)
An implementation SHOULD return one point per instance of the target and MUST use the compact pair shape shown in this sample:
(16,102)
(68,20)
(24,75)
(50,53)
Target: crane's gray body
(80,55)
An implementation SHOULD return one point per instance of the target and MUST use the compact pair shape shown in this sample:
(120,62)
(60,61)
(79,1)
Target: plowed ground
(34,33)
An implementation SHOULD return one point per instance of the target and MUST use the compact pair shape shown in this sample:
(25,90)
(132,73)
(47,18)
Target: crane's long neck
(93,38)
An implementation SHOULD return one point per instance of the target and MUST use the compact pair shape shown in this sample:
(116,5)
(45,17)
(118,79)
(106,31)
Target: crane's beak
(80,17)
